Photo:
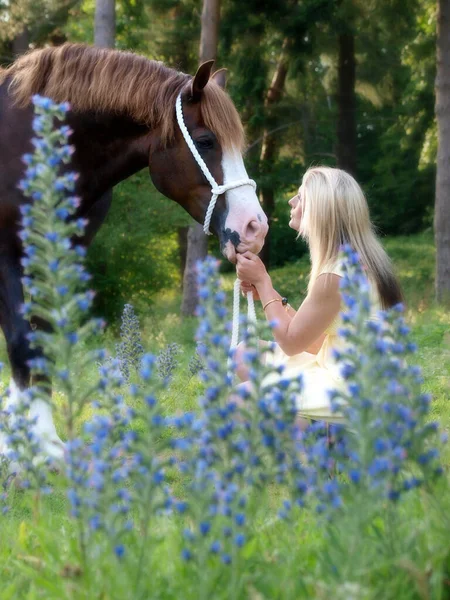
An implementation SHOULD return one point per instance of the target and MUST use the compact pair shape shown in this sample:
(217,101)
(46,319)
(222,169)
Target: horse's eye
(204,143)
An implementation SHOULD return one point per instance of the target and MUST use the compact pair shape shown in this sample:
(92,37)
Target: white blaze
(242,202)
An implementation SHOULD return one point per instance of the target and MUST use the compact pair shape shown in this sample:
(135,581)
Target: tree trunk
(210,30)
(182,235)
(20,43)
(270,146)
(105,23)
(104,37)
(442,200)
(180,60)
(197,245)
(195,240)
(346,126)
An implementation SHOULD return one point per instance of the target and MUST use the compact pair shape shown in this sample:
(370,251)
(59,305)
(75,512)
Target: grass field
(413,258)
(38,555)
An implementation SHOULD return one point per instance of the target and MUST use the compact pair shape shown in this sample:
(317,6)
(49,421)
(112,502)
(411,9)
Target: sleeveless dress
(320,372)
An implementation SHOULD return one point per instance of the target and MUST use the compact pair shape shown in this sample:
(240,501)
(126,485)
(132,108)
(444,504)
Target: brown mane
(104,80)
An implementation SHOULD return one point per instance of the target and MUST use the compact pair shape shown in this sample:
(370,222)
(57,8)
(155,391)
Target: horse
(127,113)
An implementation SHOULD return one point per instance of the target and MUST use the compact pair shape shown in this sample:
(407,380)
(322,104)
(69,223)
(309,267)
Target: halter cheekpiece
(216,189)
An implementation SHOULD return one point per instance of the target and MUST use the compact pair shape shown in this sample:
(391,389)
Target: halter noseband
(216,189)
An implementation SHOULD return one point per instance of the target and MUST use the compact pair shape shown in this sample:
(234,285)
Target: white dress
(320,372)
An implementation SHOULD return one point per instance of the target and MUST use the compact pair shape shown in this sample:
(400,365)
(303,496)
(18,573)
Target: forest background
(338,82)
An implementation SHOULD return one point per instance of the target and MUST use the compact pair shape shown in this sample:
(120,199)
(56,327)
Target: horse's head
(215,129)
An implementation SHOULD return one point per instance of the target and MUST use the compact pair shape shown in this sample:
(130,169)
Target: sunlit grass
(162,324)
(413,258)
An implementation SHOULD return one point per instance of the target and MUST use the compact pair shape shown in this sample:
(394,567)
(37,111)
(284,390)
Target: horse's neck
(108,149)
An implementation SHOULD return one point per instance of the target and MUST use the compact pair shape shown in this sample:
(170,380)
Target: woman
(329,210)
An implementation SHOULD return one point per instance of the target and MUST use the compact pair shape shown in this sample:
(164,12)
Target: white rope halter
(251,312)
(216,191)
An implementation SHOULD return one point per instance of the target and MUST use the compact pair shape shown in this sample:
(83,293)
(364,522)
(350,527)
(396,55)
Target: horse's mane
(104,80)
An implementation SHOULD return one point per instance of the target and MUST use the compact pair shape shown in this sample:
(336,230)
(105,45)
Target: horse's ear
(220,77)
(200,79)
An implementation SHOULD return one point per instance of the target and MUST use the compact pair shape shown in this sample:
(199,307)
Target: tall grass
(174,489)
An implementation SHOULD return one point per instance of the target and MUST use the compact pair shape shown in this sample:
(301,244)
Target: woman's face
(296,204)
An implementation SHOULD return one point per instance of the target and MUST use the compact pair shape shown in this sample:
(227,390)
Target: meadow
(39,554)
(174,488)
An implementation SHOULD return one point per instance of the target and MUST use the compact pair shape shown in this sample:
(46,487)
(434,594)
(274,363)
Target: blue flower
(186,554)
(205,527)
(72,337)
(95,523)
(347,370)
(62,290)
(240,519)
(52,236)
(181,506)
(42,102)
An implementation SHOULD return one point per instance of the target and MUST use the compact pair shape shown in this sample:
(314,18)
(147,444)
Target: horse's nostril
(252,230)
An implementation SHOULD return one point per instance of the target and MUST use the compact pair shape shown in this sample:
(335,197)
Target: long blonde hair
(335,212)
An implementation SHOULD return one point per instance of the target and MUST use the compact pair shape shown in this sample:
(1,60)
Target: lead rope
(216,191)
(251,319)
(251,312)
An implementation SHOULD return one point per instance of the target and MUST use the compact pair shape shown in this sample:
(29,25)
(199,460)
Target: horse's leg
(95,217)
(51,443)
(15,329)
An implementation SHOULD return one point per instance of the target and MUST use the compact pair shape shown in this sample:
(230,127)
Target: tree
(20,42)
(104,36)
(269,143)
(197,242)
(346,120)
(271,59)
(344,23)
(442,201)
(393,91)
(105,23)
(33,21)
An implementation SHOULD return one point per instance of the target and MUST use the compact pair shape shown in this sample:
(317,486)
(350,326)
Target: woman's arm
(305,330)
(299,331)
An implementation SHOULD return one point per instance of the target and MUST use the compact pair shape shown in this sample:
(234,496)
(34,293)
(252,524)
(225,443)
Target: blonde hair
(335,212)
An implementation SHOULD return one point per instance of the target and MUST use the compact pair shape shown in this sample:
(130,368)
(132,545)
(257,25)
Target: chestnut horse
(123,119)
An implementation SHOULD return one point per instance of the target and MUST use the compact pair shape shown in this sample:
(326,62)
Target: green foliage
(41,18)
(396,143)
(136,251)
(285,245)
(396,139)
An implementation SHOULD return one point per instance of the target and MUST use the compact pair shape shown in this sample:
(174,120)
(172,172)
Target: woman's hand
(250,268)
(249,287)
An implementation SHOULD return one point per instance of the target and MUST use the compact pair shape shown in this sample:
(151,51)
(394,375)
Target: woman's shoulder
(334,266)
(337,267)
